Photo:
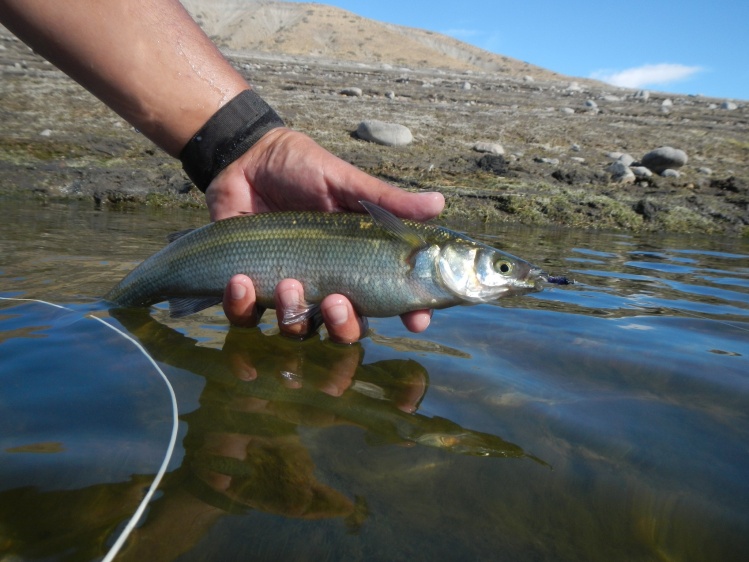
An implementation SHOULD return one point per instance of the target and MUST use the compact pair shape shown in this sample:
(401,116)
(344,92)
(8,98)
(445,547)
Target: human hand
(287,170)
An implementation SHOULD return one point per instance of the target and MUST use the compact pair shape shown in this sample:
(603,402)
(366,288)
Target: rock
(669,173)
(567,110)
(641,172)
(625,159)
(609,97)
(667,103)
(643,95)
(591,104)
(493,163)
(528,79)
(352,92)
(575,147)
(466,86)
(646,208)
(620,172)
(46,133)
(489,148)
(574,87)
(552,161)
(732,184)
(388,134)
(729,105)
(577,159)
(390,95)
(705,171)
(664,158)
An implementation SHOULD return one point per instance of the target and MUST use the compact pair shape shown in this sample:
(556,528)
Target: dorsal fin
(393,225)
(177,235)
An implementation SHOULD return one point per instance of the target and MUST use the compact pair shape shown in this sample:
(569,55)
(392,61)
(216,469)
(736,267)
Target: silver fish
(384,265)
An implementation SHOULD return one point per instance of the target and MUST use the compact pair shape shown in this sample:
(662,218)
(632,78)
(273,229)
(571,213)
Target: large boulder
(664,158)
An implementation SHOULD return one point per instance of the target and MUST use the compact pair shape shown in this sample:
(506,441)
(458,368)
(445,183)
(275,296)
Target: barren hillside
(323,31)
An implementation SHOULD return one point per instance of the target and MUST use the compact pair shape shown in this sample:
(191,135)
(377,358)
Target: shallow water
(606,420)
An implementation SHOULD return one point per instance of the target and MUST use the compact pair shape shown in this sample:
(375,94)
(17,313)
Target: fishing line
(115,549)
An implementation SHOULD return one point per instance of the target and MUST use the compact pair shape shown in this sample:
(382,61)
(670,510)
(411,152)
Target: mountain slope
(308,29)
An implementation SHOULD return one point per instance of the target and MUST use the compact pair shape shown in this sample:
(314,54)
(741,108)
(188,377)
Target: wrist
(227,135)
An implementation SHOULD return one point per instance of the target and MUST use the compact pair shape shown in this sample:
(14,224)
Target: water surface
(606,420)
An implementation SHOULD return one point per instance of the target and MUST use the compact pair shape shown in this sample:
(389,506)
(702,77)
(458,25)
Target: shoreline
(58,142)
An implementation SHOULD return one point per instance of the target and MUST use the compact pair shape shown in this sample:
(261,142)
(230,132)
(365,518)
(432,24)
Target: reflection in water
(633,384)
(242,448)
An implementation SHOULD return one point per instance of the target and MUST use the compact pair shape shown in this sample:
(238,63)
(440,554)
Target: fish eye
(503,266)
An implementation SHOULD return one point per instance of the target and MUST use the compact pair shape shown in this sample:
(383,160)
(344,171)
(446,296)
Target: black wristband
(228,134)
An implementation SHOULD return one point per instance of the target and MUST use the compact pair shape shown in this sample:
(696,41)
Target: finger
(343,324)
(355,185)
(239,302)
(342,370)
(417,320)
(289,296)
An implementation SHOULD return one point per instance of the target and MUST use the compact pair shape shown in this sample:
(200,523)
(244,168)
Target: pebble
(620,172)
(641,172)
(577,159)
(46,133)
(705,171)
(664,158)
(669,173)
(567,110)
(388,134)
(552,161)
(575,147)
(352,92)
(489,148)
(591,104)
(466,86)
(390,95)
(624,158)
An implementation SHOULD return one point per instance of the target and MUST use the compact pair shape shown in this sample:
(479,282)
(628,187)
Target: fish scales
(384,265)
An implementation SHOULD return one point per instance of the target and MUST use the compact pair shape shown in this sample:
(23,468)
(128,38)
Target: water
(611,414)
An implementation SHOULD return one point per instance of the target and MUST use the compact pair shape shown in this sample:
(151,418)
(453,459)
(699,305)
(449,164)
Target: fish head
(444,434)
(479,273)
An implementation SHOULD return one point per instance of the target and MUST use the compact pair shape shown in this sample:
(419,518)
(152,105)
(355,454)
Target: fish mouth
(536,278)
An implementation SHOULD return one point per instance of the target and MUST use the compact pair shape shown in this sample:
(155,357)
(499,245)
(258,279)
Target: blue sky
(685,47)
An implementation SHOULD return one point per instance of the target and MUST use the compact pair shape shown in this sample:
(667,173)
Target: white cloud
(647,75)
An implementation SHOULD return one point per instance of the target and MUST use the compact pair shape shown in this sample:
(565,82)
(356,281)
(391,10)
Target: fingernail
(238,291)
(337,314)
(289,298)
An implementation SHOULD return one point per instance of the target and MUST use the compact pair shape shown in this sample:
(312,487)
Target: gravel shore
(558,141)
